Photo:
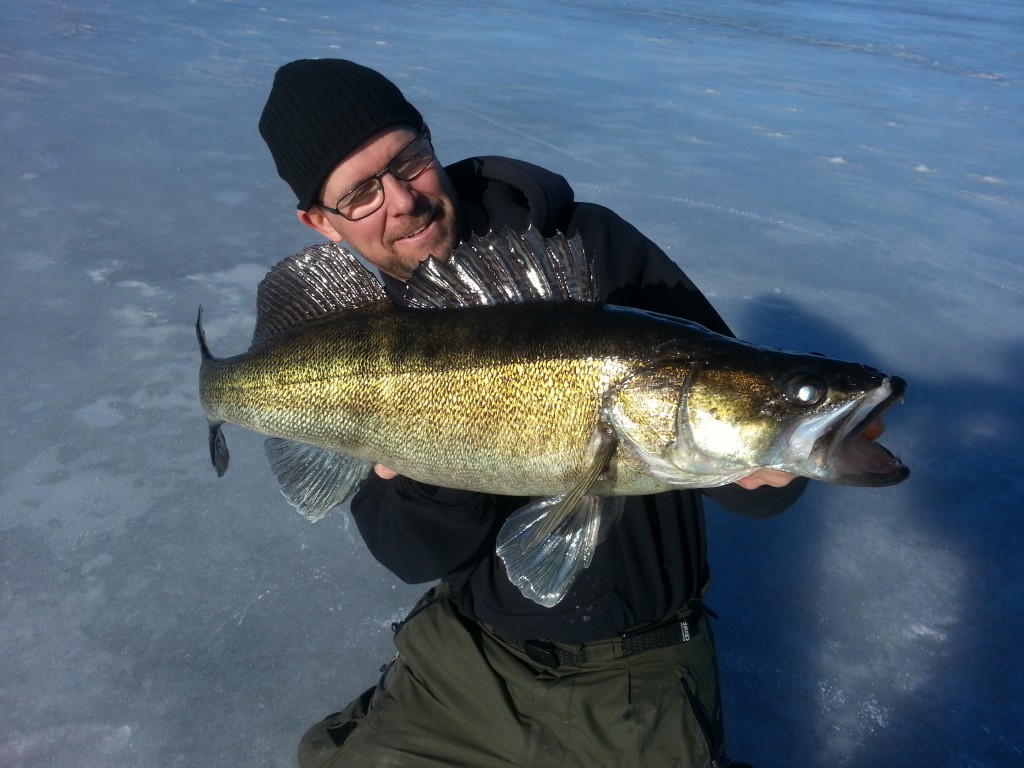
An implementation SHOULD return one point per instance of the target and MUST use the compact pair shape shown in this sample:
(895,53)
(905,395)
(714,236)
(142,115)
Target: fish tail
(218,448)
(201,336)
(219,455)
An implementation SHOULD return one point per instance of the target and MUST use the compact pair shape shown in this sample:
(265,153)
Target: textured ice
(839,176)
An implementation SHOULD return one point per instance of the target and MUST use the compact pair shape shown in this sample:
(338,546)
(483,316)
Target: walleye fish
(502,372)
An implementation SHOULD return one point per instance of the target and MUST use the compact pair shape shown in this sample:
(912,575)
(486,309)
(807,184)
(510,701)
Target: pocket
(440,591)
(705,725)
(671,709)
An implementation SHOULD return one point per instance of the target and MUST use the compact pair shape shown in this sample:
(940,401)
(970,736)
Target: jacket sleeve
(634,272)
(422,532)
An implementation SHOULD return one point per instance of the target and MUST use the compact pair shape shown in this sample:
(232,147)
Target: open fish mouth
(847,457)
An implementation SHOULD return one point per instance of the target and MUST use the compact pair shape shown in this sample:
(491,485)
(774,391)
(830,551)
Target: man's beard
(401,265)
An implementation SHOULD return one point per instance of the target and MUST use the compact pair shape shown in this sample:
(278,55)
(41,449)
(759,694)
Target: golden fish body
(500,399)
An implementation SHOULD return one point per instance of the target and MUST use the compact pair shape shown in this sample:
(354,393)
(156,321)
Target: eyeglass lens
(406,165)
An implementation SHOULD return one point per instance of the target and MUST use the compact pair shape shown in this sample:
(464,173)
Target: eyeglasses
(366,198)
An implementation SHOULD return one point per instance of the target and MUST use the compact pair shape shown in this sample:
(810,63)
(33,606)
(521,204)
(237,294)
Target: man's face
(417,218)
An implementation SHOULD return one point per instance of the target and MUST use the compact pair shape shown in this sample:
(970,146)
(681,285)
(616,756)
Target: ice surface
(844,176)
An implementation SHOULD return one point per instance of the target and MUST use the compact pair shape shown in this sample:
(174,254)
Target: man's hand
(383,472)
(875,429)
(772,477)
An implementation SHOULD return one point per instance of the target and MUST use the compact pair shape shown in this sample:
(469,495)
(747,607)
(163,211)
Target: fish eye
(804,387)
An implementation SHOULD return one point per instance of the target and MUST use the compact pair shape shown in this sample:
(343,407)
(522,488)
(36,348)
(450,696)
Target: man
(622,672)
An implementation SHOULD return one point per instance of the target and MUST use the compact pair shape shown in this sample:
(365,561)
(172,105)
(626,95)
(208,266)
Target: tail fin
(218,449)
(218,445)
(201,335)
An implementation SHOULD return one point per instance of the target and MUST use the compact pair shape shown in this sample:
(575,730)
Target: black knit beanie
(319,111)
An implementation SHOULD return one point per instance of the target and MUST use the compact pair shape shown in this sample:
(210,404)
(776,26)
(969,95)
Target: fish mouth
(848,457)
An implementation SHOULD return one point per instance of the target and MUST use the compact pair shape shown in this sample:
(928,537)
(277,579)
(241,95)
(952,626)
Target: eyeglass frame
(378,177)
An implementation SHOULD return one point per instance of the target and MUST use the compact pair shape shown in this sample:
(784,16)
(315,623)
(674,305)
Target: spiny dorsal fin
(505,268)
(318,281)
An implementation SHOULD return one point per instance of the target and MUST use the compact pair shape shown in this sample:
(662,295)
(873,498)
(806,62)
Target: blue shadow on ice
(881,601)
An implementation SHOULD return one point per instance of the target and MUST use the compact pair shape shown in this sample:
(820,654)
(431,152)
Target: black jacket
(654,560)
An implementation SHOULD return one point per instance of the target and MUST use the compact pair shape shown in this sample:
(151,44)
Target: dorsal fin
(505,268)
(318,281)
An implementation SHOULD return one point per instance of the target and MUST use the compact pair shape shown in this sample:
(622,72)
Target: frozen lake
(837,175)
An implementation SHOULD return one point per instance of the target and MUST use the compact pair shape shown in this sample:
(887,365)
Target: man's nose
(399,196)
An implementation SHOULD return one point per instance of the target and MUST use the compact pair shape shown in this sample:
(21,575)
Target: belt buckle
(542,652)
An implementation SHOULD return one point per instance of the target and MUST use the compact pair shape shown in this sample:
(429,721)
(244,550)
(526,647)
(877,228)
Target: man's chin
(404,261)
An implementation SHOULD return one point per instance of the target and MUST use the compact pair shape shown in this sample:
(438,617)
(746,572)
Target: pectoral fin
(546,544)
(313,480)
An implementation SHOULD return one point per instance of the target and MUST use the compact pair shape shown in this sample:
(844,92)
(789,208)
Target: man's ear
(316,220)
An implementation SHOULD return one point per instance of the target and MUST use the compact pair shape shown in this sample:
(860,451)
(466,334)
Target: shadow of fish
(501,372)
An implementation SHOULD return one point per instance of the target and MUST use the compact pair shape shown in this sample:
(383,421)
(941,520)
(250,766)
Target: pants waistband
(676,631)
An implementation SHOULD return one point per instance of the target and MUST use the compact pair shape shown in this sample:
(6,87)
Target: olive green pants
(457,696)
